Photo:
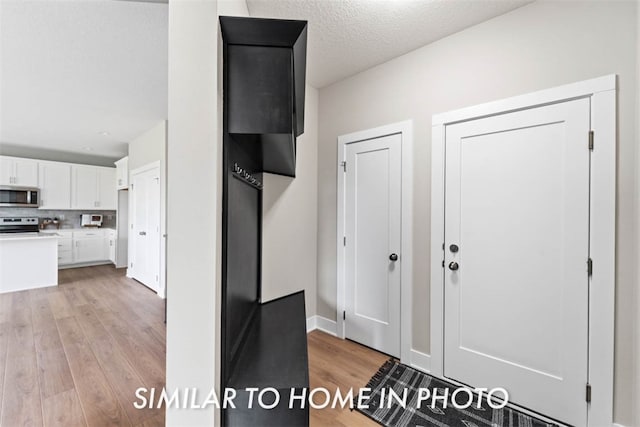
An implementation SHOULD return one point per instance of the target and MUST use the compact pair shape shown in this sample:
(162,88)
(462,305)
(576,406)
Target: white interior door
(516,286)
(145,230)
(373,241)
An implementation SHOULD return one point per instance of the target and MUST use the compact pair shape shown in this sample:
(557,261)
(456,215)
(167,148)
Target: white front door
(145,233)
(372,231)
(516,252)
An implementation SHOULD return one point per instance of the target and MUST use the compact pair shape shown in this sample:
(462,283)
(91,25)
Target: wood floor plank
(99,402)
(20,308)
(41,314)
(119,372)
(21,403)
(59,304)
(157,420)
(54,374)
(334,363)
(4,343)
(144,352)
(5,307)
(63,410)
(74,295)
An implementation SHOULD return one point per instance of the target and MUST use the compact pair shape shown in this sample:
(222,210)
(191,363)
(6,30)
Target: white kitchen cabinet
(107,192)
(18,171)
(84,246)
(89,246)
(93,187)
(122,173)
(65,249)
(112,243)
(84,187)
(6,170)
(54,181)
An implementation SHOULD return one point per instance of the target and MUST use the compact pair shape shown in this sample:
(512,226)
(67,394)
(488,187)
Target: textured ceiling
(349,36)
(72,69)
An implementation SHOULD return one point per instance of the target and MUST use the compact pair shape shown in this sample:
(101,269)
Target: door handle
(453,266)
(393,257)
(143,233)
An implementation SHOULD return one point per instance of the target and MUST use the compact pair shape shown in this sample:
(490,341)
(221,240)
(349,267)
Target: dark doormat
(398,377)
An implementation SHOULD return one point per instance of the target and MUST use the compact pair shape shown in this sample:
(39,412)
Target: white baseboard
(83,264)
(311,323)
(420,361)
(322,324)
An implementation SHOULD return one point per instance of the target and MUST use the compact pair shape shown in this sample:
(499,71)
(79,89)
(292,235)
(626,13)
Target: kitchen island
(28,261)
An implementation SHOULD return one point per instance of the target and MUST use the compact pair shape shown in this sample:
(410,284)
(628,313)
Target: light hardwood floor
(73,355)
(336,363)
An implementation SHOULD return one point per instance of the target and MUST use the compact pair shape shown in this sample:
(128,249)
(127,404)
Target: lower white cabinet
(85,246)
(112,237)
(65,249)
(89,246)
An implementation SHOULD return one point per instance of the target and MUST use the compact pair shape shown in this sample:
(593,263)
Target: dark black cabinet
(274,354)
(263,345)
(265,63)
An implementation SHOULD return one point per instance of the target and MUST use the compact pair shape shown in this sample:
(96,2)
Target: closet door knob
(393,257)
(453,266)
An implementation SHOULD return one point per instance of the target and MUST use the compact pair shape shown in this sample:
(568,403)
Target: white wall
(194,156)
(636,397)
(290,219)
(541,45)
(149,147)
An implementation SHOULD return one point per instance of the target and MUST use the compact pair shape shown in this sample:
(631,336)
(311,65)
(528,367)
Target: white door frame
(602,93)
(161,254)
(405,129)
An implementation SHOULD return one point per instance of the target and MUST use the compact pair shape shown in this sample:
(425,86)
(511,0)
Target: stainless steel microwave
(21,197)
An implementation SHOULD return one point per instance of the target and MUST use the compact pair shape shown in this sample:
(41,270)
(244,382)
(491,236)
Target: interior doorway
(374,238)
(144,240)
(519,218)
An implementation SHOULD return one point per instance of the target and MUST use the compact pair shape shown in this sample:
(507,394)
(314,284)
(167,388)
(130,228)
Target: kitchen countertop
(54,230)
(27,236)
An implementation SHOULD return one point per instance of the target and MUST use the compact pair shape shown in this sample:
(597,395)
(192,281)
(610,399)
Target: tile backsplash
(68,219)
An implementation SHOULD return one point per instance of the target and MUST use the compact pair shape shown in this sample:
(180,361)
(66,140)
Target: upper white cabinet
(84,187)
(93,187)
(54,181)
(107,192)
(122,173)
(17,171)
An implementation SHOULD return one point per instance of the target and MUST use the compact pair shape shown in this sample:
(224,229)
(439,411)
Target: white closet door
(516,281)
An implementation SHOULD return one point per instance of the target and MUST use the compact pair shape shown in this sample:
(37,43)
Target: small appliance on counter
(91,220)
(18,225)
(46,222)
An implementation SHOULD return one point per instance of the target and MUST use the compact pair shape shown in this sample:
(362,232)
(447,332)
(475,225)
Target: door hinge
(131,265)
(156,278)
(589,266)
(344,241)
(588,393)
(344,315)
(344,166)
(591,140)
